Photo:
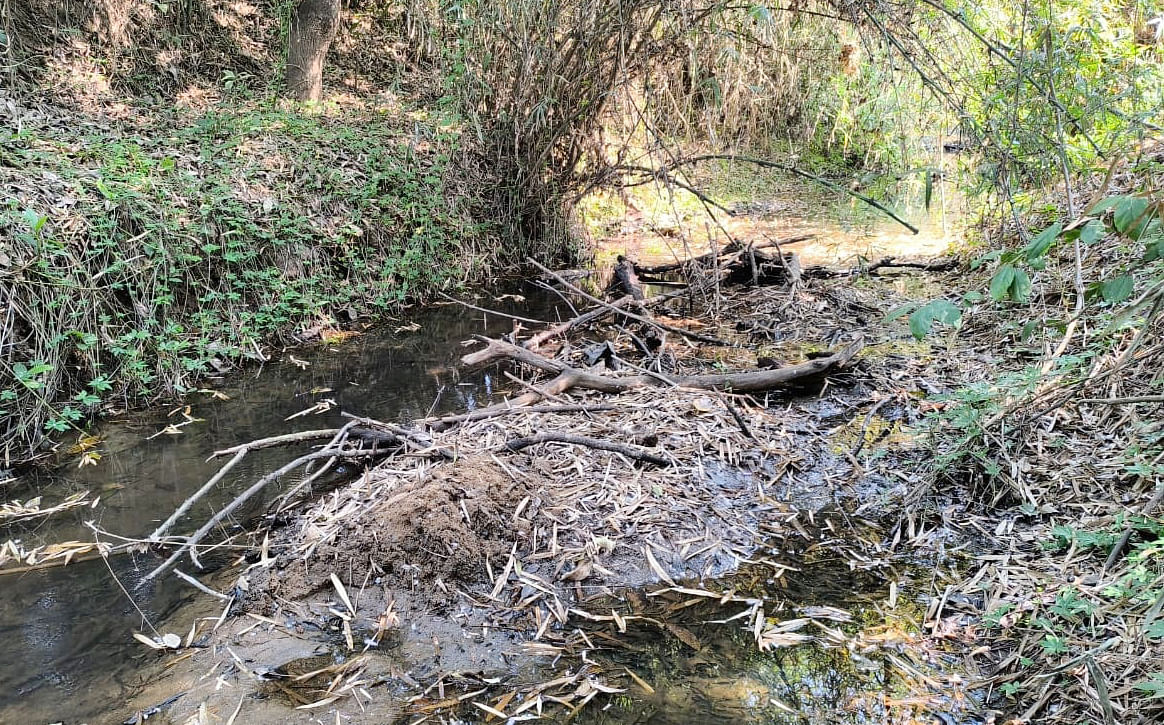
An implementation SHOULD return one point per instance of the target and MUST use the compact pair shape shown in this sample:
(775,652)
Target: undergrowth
(134,260)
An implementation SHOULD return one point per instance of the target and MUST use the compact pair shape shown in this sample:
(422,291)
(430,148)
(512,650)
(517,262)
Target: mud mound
(440,528)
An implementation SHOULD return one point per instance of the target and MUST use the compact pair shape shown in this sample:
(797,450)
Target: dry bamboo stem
(635,452)
(243,498)
(677,330)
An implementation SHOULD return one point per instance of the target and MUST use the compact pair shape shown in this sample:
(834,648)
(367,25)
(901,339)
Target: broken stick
(635,452)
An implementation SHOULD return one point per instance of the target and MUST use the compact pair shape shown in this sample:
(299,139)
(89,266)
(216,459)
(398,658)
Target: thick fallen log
(568,377)
(936,265)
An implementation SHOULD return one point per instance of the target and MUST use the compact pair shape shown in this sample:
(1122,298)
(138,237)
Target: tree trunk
(313,26)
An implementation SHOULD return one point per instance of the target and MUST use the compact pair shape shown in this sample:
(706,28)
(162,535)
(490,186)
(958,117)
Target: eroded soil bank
(658,553)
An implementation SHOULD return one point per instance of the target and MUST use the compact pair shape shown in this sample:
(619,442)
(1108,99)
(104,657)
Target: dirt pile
(442,528)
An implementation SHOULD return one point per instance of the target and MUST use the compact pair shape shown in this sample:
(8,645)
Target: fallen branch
(275,441)
(937,265)
(448,421)
(741,382)
(596,314)
(201,587)
(635,452)
(240,451)
(670,328)
(727,254)
(239,500)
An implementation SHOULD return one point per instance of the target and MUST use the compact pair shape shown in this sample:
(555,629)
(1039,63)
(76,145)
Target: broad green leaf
(1029,329)
(1092,231)
(973,297)
(1154,687)
(1128,214)
(1042,241)
(1117,289)
(921,320)
(900,311)
(1105,204)
(1020,288)
(1001,282)
(945,312)
(920,323)
(34,220)
(988,257)
(760,13)
(1154,250)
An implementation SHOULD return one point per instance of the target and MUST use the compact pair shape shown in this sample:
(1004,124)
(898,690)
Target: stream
(68,630)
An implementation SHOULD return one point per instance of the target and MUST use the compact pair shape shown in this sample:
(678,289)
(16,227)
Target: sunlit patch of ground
(653,225)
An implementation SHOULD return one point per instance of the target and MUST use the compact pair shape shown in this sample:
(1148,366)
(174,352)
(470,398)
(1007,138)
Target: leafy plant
(922,316)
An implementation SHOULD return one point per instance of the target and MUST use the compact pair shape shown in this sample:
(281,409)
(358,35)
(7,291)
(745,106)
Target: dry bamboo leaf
(342,592)
(659,572)
(318,703)
(493,712)
(147,641)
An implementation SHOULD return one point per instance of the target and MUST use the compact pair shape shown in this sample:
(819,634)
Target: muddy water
(66,632)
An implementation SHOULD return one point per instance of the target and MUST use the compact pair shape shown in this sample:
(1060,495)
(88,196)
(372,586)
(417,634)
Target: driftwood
(448,421)
(569,377)
(596,314)
(628,281)
(669,328)
(240,451)
(197,536)
(726,255)
(937,265)
(635,452)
